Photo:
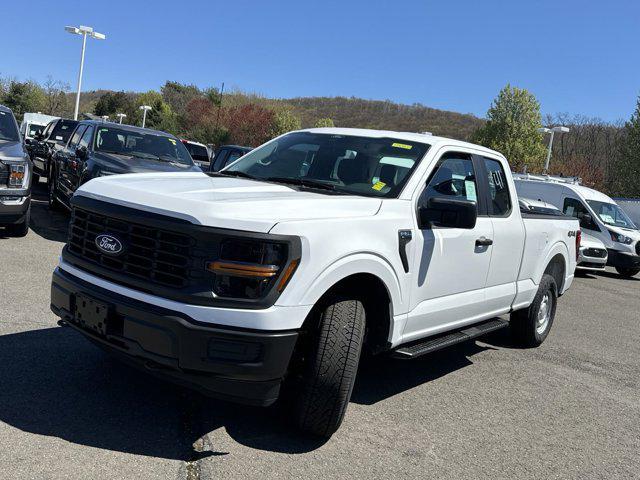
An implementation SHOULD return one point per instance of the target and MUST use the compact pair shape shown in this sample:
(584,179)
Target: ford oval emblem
(109,244)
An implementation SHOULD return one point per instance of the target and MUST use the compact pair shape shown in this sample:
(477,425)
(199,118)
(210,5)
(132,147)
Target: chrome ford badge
(109,244)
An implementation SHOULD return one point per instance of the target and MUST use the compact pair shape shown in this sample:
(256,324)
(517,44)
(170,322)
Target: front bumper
(623,259)
(241,365)
(13,210)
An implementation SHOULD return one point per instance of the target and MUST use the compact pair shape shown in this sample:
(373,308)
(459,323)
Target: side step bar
(431,344)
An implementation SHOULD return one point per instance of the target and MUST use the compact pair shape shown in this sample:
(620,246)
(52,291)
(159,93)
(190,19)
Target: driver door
(450,264)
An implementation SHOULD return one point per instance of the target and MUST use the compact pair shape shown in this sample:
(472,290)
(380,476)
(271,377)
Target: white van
(599,216)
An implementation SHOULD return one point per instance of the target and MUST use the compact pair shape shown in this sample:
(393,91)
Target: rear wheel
(628,272)
(530,327)
(326,380)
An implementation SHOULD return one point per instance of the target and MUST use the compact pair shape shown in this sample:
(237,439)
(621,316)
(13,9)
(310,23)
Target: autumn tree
(512,127)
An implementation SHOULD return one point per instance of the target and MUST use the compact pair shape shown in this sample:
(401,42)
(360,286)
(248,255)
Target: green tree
(624,173)
(112,103)
(284,121)
(22,97)
(512,127)
(324,122)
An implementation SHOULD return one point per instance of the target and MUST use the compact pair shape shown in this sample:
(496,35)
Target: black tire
(527,327)
(52,190)
(628,272)
(326,380)
(20,229)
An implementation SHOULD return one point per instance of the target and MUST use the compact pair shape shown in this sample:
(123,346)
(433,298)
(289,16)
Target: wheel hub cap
(544,313)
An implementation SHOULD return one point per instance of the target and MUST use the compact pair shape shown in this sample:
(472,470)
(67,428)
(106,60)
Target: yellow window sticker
(172,140)
(402,145)
(379,186)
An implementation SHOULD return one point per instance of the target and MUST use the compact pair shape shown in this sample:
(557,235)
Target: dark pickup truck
(45,144)
(15,177)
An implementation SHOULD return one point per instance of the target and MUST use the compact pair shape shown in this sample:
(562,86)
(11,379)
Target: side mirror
(448,213)
(82,153)
(586,220)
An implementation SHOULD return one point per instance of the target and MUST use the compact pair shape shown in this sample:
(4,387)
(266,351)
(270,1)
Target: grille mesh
(595,252)
(159,256)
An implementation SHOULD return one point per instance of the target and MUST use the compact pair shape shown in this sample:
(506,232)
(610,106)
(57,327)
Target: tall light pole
(84,31)
(552,131)
(145,109)
(121,116)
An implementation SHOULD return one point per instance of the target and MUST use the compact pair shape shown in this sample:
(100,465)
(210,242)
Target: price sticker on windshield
(402,145)
(379,186)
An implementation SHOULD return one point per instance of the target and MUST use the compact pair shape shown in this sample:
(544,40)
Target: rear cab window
(500,204)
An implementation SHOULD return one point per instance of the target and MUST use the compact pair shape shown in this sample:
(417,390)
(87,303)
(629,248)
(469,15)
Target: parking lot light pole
(552,131)
(145,109)
(84,31)
(120,116)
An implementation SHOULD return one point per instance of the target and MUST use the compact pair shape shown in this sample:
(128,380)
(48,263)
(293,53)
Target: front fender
(308,292)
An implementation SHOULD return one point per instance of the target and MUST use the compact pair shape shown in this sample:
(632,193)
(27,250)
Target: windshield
(8,128)
(62,131)
(377,167)
(33,130)
(611,214)
(197,152)
(143,145)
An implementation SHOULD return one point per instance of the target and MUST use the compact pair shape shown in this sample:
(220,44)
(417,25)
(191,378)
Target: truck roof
(428,139)
(569,183)
(124,126)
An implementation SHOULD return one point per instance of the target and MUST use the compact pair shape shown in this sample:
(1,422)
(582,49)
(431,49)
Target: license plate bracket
(91,314)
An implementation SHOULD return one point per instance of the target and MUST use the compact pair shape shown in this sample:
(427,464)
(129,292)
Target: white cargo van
(599,216)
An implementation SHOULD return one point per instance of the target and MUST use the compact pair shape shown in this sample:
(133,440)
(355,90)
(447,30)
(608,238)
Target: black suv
(225,155)
(97,149)
(53,138)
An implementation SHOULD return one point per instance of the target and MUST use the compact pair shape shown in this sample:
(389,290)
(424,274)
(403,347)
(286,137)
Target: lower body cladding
(13,206)
(620,259)
(240,365)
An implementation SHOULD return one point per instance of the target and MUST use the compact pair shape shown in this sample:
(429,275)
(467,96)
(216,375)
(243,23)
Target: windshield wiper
(304,182)
(232,173)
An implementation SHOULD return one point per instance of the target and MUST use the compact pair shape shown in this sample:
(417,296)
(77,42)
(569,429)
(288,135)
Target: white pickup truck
(275,273)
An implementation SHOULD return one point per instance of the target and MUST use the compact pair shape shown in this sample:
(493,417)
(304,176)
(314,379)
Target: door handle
(484,242)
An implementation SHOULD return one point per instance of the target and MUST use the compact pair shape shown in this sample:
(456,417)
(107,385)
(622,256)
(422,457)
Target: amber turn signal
(288,273)
(241,269)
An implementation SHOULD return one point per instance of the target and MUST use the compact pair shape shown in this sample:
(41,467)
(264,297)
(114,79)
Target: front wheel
(52,188)
(329,371)
(628,272)
(20,229)
(530,327)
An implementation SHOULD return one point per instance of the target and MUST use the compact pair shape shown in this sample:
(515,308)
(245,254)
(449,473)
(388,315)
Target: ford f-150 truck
(274,274)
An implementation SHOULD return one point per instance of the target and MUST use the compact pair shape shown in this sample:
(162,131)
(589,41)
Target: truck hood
(233,203)
(128,164)
(11,151)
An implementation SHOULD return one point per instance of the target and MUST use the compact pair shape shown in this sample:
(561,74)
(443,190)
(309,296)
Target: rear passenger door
(508,235)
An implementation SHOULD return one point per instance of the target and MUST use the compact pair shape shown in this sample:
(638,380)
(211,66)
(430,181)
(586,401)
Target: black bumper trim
(623,260)
(173,346)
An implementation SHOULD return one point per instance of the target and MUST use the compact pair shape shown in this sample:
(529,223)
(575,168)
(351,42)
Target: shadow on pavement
(56,383)
(49,225)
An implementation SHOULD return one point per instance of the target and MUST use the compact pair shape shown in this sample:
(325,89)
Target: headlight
(620,238)
(249,269)
(16,175)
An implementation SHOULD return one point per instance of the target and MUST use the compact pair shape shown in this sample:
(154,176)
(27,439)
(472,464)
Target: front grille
(638,248)
(4,174)
(161,257)
(595,252)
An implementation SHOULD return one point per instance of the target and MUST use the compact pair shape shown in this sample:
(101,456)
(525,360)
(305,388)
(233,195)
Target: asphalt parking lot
(568,410)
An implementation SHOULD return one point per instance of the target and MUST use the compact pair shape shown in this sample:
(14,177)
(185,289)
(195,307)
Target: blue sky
(580,57)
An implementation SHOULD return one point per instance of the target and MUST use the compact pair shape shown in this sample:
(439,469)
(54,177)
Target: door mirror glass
(448,212)
(82,153)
